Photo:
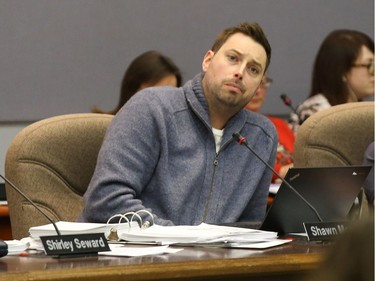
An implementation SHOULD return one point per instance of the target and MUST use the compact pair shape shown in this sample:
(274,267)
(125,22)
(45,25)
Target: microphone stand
(288,102)
(31,202)
(242,141)
(63,246)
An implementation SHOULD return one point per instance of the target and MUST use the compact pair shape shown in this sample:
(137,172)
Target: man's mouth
(236,87)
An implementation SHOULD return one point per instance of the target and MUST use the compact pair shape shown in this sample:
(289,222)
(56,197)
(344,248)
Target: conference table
(291,261)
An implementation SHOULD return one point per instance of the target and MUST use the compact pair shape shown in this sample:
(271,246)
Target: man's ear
(207,60)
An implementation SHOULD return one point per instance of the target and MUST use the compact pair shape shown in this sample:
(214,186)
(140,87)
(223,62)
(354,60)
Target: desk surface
(287,262)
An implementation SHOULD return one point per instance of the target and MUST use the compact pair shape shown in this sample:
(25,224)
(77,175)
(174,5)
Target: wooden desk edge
(205,269)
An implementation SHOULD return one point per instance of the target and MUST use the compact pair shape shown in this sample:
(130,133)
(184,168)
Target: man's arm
(125,165)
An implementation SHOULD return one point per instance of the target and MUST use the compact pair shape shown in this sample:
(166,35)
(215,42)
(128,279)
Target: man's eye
(253,70)
(232,57)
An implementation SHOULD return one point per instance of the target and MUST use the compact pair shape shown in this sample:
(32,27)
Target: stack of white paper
(203,234)
(16,246)
(184,235)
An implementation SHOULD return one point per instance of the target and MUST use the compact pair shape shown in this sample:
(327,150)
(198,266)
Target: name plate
(75,244)
(324,231)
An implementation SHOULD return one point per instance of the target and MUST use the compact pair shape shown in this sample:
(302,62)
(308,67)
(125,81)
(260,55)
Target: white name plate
(324,231)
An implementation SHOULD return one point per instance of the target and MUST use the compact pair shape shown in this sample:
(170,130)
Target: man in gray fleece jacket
(170,151)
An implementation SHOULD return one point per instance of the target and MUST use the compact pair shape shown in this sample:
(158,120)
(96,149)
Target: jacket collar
(196,99)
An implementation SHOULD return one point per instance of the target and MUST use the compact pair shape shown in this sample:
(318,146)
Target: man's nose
(239,72)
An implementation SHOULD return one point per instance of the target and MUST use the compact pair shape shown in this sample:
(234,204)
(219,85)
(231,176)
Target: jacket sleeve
(125,164)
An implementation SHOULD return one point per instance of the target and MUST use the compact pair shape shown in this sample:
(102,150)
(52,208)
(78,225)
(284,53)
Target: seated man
(170,150)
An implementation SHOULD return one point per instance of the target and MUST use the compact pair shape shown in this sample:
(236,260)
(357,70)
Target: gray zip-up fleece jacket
(159,154)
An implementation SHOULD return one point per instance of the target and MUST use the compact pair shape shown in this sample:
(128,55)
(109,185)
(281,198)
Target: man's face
(233,73)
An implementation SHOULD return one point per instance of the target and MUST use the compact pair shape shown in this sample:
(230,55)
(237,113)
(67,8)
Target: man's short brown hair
(253,30)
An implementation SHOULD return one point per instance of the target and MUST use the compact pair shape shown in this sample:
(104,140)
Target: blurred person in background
(285,148)
(149,69)
(343,72)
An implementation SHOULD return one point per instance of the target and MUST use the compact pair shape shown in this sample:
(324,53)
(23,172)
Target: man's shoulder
(257,118)
(160,96)
(261,121)
(161,92)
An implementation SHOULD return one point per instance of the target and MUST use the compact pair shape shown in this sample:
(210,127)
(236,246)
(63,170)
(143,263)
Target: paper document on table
(132,251)
(16,246)
(67,228)
(259,245)
(203,233)
(185,235)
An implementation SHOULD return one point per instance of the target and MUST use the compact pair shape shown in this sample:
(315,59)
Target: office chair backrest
(52,161)
(337,136)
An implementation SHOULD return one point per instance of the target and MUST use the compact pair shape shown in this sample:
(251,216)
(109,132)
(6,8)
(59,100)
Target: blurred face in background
(258,99)
(360,78)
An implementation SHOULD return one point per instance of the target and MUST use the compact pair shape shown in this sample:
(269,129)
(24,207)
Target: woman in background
(343,72)
(147,70)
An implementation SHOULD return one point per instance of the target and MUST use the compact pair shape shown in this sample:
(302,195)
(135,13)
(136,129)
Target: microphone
(31,202)
(72,245)
(288,102)
(242,141)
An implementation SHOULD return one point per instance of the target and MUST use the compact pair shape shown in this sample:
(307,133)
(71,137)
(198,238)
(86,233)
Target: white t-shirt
(218,134)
